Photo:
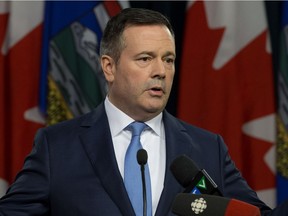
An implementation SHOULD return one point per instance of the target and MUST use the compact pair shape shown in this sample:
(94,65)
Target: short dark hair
(112,42)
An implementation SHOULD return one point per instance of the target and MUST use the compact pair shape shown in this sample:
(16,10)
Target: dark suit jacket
(72,170)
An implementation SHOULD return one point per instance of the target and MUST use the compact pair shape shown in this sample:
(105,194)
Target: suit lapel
(97,142)
(177,143)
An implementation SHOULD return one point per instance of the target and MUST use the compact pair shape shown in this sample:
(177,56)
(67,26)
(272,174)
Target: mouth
(157,88)
(156,91)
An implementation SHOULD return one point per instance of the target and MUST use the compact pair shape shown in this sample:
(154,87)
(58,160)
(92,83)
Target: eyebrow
(168,53)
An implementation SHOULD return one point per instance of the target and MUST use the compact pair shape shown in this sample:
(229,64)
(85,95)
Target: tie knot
(137,128)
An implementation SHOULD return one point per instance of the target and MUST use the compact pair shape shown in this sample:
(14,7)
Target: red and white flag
(226,84)
(20,43)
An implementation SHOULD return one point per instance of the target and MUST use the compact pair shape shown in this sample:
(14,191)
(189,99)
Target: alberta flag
(226,84)
(282,120)
(70,63)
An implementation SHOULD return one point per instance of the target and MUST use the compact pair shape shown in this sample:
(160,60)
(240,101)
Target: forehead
(149,36)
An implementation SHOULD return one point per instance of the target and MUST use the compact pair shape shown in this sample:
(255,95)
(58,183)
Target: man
(77,167)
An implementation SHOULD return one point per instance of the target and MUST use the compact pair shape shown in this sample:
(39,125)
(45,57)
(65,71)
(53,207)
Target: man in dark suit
(76,167)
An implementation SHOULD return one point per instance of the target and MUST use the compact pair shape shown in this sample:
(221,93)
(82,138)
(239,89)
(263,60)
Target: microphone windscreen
(199,204)
(240,208)
(184,170)
(142,156)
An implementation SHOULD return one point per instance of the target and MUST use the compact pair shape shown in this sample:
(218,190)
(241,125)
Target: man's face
(141,82)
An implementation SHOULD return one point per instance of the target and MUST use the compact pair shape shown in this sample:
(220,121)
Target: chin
(154,105)
(155,109)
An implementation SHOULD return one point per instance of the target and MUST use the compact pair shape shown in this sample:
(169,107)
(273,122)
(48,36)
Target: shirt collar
(118,120)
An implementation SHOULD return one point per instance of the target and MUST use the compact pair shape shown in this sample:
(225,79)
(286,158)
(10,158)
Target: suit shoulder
(67,124)
(190,128)
(85,120)
(196,129)
(69,127)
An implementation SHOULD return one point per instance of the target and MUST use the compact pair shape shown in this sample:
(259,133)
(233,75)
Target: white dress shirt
(152,140)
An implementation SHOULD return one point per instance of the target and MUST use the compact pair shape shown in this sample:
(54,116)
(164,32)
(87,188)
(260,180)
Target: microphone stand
(144,190)
(142,160)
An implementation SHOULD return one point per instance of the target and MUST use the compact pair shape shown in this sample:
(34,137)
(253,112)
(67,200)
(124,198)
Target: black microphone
(206,205)
(142,160)
(195,181)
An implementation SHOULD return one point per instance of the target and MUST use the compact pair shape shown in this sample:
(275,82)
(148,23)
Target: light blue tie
(132,172)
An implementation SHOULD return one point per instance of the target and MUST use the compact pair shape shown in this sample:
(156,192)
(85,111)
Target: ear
(108,67)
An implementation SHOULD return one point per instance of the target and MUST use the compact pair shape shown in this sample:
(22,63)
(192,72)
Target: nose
(158,69)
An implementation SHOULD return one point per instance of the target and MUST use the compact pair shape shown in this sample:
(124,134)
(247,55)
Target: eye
(169,60)
(145,59)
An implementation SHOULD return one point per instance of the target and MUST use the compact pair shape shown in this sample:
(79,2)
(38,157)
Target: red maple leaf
(225,99)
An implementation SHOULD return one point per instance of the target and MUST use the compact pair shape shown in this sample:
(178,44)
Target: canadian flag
(20,43)
(226,84)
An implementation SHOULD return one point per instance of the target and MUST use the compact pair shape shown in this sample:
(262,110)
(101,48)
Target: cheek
(134,87)
(169,78)
(126,85)
(131,79)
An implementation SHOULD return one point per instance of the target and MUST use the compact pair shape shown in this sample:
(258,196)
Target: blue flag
(282,121)
(72,82)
